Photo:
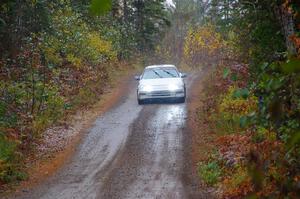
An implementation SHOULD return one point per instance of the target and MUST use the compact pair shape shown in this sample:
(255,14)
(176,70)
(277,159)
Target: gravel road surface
(130,152)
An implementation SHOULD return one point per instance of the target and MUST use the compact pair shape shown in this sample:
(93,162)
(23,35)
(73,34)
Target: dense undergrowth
(251,100)
(56,57)
(251,156)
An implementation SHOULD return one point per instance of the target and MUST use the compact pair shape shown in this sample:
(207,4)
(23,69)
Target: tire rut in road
(151,163)
(123,171)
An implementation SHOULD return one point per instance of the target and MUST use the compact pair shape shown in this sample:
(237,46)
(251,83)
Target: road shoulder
(196,141)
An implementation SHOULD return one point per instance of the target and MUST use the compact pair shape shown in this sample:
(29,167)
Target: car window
(163,72)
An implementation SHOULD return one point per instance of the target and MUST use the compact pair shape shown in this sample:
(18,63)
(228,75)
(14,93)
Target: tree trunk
(287,25)
(16,30)
(125,11)
(140,22)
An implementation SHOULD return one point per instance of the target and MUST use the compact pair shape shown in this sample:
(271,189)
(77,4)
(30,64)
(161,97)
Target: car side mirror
(137,77)
(183,75)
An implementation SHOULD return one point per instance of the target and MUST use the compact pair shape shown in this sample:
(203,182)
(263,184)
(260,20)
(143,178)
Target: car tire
(181,99)
(141,102)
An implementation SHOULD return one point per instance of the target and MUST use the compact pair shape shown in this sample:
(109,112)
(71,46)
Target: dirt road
(131,152)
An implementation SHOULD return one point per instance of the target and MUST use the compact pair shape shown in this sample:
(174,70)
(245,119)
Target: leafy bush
(100,49)
(7,149)
(75,41)
(232,109)
(202,44)
(9,167)
(261,134)
(226,125)
(233,105)
(209,172)
(51,108)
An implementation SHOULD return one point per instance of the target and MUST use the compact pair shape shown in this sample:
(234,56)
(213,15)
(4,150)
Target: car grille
(161,93)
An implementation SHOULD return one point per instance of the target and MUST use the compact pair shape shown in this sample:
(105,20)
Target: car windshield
(163,72)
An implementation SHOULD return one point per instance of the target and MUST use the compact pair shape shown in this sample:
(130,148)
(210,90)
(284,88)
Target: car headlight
(173,87)
(146,88)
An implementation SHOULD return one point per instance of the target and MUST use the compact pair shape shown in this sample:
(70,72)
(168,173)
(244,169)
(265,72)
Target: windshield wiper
(156,73)
(169,73)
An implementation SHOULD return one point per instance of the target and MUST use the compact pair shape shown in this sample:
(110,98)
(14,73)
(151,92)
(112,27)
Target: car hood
(161,81)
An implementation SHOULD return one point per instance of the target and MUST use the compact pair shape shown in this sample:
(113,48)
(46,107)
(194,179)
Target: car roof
(160,66)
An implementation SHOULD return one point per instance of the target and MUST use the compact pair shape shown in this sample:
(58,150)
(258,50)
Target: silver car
(161,82)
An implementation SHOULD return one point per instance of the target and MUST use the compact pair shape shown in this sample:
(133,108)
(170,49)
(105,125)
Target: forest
(57,56)
(251,100)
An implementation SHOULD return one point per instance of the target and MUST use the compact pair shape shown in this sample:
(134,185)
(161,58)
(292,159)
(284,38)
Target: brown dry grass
(203,136)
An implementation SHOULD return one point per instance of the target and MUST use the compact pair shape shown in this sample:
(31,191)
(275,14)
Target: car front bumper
(161,94)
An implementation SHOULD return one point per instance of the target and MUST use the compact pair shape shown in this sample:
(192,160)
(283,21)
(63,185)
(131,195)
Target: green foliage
(51,108)
(11,95)
(209,172)
(266,105)
(280,95)
(260,135)
(202,45)
(226,72)
(241,93)
(291,66)
(251,29)
(152,17)
(100,6)
(56,57)
(225,125)
(233,110)
(9,169)
(7,149)
(74,40)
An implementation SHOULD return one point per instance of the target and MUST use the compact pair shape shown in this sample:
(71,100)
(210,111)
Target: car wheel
(181,99)
(141,102)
